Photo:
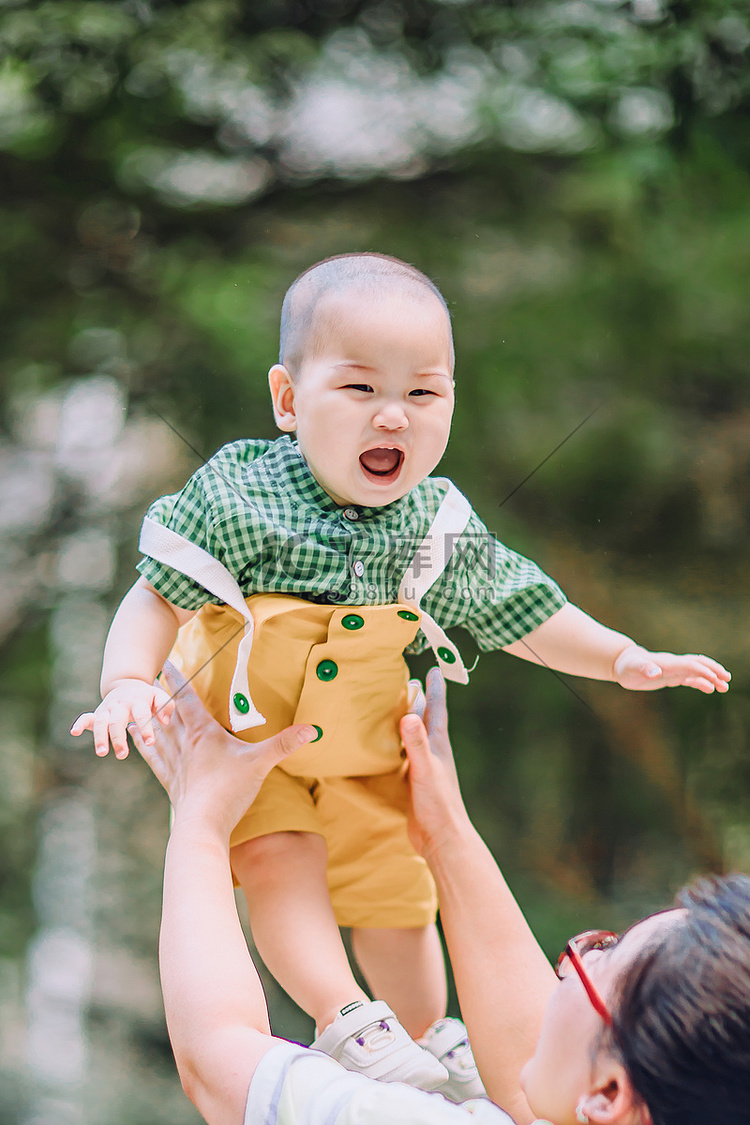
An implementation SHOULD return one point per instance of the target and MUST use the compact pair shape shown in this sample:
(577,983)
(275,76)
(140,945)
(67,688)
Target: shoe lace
(462,1056)
(372,1036)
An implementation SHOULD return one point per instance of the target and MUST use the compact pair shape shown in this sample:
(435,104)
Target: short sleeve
(189,514)
(497,594)
(296,1086)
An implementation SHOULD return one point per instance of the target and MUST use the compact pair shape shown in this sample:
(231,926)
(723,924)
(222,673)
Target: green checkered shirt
(257,508)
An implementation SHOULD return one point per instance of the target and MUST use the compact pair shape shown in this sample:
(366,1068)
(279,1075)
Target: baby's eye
(358,387)
(420,391)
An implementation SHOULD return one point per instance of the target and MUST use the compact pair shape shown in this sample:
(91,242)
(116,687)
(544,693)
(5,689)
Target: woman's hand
(437,811)
(205,770)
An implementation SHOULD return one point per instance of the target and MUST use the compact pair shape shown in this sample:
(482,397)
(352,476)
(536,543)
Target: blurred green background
(574,176)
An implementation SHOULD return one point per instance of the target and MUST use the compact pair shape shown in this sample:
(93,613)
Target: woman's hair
(682,1013)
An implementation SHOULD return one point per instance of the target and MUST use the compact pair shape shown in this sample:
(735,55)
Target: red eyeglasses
(573,953)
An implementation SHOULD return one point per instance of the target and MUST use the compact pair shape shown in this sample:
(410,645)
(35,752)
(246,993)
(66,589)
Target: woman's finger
(282,744)
(150,754)
(436,691)
(176,684)
(436,716)
(414,737)
(417,701)
(144,723)
(190,707)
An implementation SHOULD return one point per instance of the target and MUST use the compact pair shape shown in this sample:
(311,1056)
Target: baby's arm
(571,641)
(140,639)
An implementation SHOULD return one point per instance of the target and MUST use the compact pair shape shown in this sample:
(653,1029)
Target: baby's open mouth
(382,465)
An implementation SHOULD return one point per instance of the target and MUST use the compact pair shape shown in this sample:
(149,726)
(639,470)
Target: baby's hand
(640,670)
(132,701)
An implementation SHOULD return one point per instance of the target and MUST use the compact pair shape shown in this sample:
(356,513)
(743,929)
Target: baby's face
(372,405)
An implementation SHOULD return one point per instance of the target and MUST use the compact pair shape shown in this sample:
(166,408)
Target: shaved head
(370,274)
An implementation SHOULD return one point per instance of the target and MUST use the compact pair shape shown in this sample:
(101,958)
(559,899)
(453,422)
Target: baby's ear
(282,388)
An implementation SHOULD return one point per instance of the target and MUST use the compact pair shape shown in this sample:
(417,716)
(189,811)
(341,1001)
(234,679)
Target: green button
(242,703)
(327,670)
(319,735)
(352,621)
(408,615)
(446,655)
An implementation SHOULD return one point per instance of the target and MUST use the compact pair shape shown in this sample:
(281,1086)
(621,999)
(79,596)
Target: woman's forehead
(642,933)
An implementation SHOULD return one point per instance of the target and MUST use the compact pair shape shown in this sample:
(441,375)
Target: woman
(649,1029)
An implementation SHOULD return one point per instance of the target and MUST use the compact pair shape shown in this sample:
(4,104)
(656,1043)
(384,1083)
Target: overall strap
(427,565)
(173,550)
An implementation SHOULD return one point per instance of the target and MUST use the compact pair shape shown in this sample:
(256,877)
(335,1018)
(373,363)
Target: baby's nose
(391,416)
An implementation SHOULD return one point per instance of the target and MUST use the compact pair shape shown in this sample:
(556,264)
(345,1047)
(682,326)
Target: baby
(299,572)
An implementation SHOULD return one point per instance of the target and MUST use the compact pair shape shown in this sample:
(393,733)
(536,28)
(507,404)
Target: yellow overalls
(341,669)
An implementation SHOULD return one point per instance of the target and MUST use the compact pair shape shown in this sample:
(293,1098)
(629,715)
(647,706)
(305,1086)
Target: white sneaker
(448,1041)
(369,1039)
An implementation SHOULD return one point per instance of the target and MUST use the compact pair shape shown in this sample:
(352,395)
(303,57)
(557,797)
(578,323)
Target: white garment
(295,1086)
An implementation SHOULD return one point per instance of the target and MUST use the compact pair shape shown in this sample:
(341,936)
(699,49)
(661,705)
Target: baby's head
(365,376)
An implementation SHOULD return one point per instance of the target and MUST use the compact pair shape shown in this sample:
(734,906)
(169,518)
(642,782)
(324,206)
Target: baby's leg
(283,876)
(383,890)
(405,967)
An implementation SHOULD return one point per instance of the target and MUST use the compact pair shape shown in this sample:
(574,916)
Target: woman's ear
(611,1099)
(282,388)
